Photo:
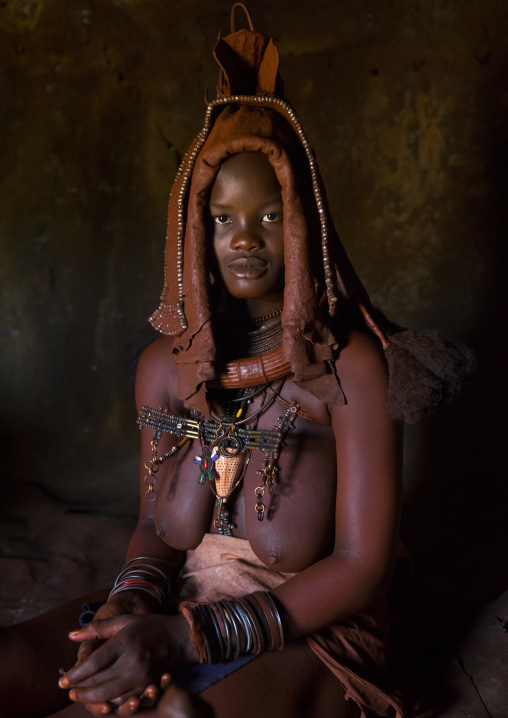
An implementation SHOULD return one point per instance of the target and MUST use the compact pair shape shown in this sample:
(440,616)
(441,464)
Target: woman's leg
(31,654)
(291,684)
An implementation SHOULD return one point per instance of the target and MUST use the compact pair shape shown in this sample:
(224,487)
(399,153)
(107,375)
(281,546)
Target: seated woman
(258,573)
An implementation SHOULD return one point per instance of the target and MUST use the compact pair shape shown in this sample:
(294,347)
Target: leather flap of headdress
(248,64)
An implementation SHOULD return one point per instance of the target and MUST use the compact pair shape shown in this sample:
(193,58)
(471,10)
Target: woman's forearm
(330,590)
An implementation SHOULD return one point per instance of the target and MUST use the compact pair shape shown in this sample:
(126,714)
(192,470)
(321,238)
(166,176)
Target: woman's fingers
(100,629)
(88,671)
(129,707)
(109,687)
(149,696)
(165,680)
(86,648)
(98,709)
(101,657)
(128,664)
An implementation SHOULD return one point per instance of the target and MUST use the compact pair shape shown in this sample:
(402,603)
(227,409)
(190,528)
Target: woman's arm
(368,443)
(156,381)
(154,384)
(125,626)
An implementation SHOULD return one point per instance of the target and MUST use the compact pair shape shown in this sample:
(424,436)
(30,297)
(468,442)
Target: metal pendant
(229,470)
(229,466)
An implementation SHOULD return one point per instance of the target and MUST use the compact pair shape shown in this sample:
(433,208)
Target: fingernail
(75,633)
(72,695)
(105,710)
(64,682)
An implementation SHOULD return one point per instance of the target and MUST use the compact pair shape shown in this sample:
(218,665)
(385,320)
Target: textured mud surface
(51,551)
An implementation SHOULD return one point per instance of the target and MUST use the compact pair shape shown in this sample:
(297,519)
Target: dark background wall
(406,105)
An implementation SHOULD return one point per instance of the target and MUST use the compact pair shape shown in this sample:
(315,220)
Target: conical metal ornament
(229,469)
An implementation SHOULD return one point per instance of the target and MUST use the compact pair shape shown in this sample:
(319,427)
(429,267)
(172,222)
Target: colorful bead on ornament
(206,464)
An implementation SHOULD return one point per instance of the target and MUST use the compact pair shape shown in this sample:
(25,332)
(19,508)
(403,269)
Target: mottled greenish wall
(406,104)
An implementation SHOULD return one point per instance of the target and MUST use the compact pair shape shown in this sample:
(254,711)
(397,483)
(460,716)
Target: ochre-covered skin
(252,218)
(332,521)
(309,341)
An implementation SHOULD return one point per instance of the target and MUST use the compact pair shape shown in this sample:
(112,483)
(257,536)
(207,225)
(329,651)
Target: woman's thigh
(31,655)
(291,684)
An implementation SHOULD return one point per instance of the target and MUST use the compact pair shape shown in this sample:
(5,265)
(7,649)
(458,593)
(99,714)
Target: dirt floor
(51,551)
(474,679)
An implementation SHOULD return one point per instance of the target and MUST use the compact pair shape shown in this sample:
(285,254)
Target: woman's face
(247,226)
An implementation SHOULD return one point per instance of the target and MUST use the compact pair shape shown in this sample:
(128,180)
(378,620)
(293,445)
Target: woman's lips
(248,267)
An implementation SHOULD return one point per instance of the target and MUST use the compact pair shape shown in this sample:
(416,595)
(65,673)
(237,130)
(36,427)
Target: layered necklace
(229,436)
(254,336)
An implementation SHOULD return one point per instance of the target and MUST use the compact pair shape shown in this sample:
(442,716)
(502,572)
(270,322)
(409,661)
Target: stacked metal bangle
(227,629)
(143,577)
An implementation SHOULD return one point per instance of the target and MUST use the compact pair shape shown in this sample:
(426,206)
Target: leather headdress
(251,114)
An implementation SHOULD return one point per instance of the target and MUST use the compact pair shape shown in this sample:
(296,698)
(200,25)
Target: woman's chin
(254,290)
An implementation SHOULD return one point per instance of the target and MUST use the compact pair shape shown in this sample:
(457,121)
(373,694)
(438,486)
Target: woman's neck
(248,327)
(248,311)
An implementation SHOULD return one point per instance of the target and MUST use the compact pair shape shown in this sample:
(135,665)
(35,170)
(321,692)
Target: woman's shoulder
(157,374)
(361,349)
(360,369)
(361,364)
(159,353)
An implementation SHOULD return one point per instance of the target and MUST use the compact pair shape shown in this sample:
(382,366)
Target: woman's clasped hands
(124,661)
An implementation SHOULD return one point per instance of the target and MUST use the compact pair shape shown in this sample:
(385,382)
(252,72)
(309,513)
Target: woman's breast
(297,515)
(183,507)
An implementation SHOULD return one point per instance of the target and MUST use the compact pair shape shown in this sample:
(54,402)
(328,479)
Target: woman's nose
(246,239)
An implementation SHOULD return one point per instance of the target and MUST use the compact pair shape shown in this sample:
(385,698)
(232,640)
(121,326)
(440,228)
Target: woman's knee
(31,655)
(290,684)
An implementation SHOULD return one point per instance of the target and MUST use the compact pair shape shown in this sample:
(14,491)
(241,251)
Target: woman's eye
(272,217)
(222,219)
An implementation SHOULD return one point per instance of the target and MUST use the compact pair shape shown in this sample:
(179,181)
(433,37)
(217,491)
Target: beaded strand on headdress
(185,173)
(183,177)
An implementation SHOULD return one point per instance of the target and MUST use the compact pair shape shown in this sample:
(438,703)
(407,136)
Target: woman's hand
(135,651)
(124,604)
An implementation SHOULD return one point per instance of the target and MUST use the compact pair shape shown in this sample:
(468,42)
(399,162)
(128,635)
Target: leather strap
(247,14)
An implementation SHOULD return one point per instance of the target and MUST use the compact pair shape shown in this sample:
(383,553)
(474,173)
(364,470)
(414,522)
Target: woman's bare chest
(275,487)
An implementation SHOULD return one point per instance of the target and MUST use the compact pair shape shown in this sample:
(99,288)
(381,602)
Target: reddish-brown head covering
(250,115)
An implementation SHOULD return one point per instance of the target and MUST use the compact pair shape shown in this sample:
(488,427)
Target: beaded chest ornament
(226,445)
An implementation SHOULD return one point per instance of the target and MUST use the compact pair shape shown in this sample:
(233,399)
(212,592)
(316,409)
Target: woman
(271,447)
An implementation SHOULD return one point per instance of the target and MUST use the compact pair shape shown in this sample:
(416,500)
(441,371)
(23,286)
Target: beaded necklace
(228,439)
